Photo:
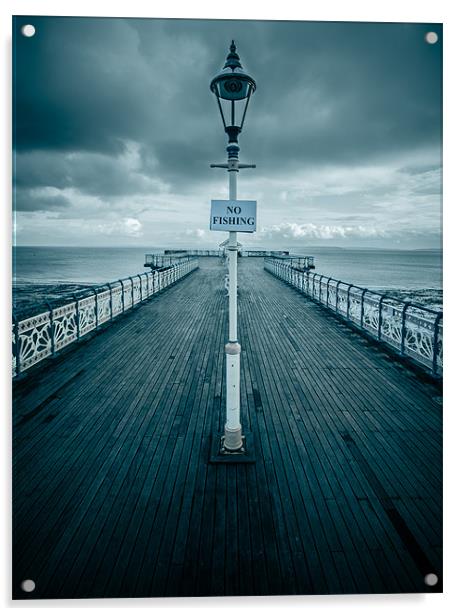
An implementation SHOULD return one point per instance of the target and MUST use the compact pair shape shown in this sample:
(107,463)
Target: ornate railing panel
(149,285)
(34,340)
(42,335)
(87,314)
(127,293)
(117,298)
(64,325)
(413,331)
(136,290)
(144,286)
(104,306)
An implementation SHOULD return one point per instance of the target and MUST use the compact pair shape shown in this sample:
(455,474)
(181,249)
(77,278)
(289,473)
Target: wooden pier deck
(113,492)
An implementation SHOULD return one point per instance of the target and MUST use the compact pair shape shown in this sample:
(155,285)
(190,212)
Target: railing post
(320,288)
(379,332)
(52,328)
(17,342)
(141,288)
(362,307)
(348,302)
(403,328)
(313,292)
(438,318)
(110,299)
(328,291)
(96,307)
(77,315)
(149,274)
(122,294)
(339,282)
(133,292)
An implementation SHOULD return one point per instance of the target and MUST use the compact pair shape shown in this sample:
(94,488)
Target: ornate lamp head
(233,88)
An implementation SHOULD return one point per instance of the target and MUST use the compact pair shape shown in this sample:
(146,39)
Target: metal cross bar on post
(232,89)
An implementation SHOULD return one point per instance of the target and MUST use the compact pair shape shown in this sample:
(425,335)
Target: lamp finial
(232,60)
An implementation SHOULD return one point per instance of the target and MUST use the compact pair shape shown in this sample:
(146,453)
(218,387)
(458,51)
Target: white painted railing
(45,333)
(411,330)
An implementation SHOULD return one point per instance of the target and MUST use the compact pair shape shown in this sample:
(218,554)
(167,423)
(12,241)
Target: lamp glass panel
(239,108)
(233,89)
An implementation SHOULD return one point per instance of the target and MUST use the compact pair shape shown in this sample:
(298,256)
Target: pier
(114,493)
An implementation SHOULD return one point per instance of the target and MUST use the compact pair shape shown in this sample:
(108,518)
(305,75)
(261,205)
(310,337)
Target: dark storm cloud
(327,93)
(73,89)
(91,173)
(26,200)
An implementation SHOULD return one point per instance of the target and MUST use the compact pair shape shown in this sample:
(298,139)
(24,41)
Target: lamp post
(233,89)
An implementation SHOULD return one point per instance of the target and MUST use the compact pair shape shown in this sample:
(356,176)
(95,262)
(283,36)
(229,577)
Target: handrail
(409,329)
(44,333)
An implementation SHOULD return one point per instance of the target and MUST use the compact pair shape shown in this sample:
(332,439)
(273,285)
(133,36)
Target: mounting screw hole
(28,30)
(431,38)
(28,585)
(431,579)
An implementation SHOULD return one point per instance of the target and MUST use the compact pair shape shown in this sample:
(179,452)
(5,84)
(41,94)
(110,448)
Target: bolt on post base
(220,455)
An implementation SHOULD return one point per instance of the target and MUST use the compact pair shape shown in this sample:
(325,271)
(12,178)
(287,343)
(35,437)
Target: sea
(45,272)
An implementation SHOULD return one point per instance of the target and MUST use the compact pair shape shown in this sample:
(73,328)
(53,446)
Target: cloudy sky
(115,128)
